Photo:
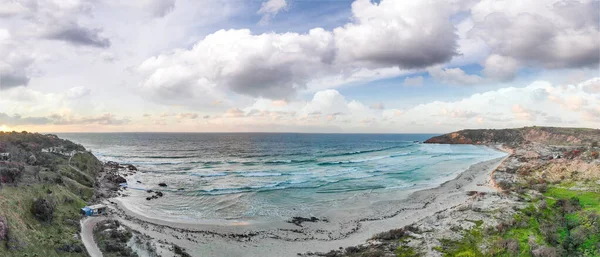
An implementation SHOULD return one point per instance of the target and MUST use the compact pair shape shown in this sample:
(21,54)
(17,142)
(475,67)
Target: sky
(327,66)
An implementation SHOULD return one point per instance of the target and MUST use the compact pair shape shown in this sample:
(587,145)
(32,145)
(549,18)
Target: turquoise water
(263,176)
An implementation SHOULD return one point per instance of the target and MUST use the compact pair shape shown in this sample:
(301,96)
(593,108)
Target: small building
(4,156)
(93,210)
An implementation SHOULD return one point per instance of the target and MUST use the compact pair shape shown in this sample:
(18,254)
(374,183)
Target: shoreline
(286,239)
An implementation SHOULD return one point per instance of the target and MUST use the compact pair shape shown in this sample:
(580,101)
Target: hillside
(512,137)
(44,181)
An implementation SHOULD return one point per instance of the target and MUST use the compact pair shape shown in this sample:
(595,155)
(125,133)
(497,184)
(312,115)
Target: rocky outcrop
(117,179)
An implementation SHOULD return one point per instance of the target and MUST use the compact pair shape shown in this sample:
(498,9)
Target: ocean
(265,176)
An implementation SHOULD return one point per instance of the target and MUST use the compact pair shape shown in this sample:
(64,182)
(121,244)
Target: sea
(266,176)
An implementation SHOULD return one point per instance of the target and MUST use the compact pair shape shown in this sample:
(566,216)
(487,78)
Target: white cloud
(551,34)
(267,65)
(455,76)
(78,92)
(270,8)
(381,38)
(506,107)
(501,68)
(391,34)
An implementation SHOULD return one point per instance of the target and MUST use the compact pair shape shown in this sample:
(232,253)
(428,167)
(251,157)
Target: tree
(43,209)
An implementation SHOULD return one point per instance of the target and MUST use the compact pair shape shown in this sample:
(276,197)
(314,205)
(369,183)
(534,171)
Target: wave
(289,161)
(367,151)
(375,158)
(209,175)
(259,174)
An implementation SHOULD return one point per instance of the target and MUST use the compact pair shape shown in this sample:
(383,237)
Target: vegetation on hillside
(561,222)
(513,137)
(41,194)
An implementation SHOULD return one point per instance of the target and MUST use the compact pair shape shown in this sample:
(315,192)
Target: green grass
(588,200)
(35,238)
(571,216)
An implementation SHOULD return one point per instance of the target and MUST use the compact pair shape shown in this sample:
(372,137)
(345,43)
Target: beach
(341,228)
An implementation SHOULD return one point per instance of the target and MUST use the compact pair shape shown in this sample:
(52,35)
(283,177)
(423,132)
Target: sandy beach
(342,228)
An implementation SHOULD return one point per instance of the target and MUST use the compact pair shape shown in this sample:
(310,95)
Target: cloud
(455,76)
(55,20)
(234,113)
(413,81)
(377,106)
(381,36)
(191,116)
(57,119)
(506,107)
(550,34)
(267,65)
(271,8)
(160,8)
(390,33)
(79,36)
(500,68)
(15,63)
(78,92)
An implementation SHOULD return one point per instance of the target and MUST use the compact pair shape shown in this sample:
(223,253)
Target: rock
(162,184)
(159,193)
(299,220)
(140,182)
(131,167)
(149,191)
(120,179)
(3,228)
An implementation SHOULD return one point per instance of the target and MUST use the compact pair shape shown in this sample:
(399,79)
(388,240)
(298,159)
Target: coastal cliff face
(514,137)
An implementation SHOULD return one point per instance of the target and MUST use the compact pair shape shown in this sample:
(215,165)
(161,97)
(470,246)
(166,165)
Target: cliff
(518,136)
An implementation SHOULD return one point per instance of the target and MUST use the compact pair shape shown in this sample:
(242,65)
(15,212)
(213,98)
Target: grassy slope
(529,225)
(69,189)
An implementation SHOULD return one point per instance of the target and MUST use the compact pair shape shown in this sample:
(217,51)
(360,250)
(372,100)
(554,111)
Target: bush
(546,251)
(43,209)
(11,172)
(511,246)
(393,234)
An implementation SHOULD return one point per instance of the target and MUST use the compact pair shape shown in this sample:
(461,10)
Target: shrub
(11,172)
(511,246)
(393,234)
(545,251)
(595,154)
(43,209)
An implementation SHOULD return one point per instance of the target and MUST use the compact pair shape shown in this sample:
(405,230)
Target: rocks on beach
(299,220)
(162,184)
(156,195)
